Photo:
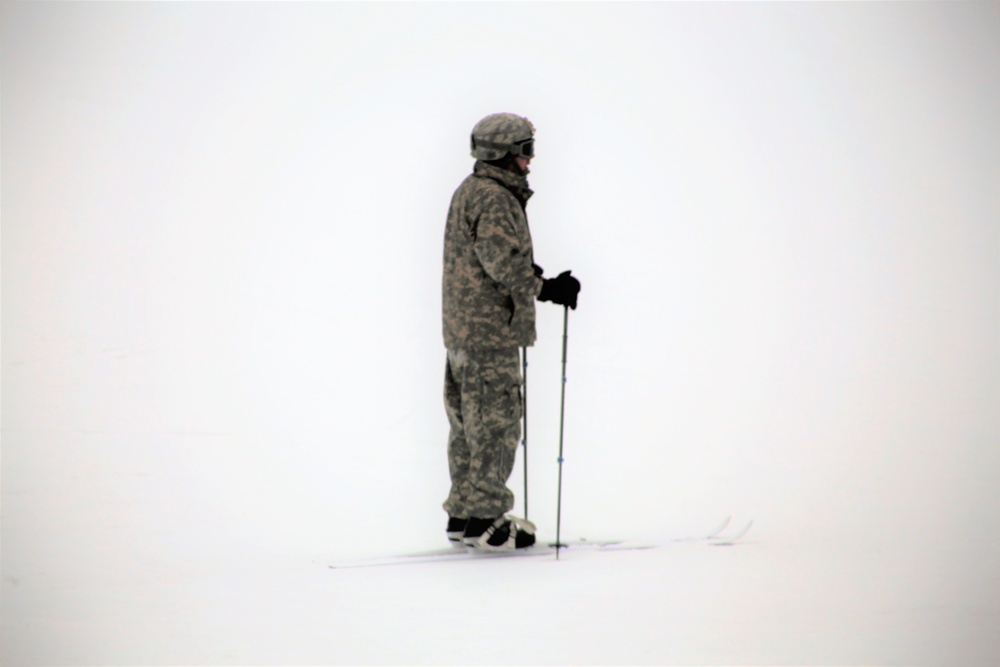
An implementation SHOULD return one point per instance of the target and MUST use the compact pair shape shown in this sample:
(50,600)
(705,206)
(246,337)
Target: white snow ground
(221,358)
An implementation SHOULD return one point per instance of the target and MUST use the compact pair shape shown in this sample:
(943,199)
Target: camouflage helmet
(501,133)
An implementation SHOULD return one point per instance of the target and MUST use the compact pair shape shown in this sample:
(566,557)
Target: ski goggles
(524,148)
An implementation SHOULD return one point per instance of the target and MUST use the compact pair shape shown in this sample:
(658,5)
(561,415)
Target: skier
(489,287)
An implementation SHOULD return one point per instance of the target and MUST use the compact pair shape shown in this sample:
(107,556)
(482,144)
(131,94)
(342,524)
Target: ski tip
(730,540)
(721,527)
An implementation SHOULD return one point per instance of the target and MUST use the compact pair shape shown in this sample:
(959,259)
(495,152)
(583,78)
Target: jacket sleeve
(499,248)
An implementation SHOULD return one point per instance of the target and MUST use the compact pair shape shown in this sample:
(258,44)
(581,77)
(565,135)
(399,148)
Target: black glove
(538,270)
(561,290)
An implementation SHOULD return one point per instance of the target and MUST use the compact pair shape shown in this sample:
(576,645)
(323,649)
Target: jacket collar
(518,185)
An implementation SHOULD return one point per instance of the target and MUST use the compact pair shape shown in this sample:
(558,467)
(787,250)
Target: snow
(221,353)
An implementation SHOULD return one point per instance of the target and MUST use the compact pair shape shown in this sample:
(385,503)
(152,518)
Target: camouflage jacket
(489,286)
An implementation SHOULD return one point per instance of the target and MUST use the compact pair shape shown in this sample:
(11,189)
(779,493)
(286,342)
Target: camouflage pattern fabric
(489,286)
(482,393)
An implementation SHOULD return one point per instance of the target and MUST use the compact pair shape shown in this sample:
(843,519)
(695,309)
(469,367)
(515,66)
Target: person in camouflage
(489,287)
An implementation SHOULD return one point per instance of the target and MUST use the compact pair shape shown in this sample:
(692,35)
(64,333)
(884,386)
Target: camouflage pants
(482,393)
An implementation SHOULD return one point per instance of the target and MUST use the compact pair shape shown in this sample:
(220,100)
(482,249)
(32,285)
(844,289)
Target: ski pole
(524,438)
(562,416)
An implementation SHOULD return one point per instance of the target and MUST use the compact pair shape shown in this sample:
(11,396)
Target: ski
(455,554)
(716,537)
